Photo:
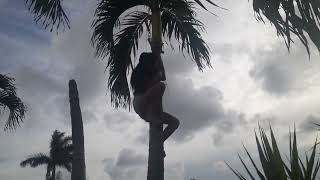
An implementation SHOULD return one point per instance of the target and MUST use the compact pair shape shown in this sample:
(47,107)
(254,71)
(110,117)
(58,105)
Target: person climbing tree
(148,89)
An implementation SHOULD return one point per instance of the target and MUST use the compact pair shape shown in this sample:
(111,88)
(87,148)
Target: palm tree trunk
(78,161)
(53,175)
(155,160)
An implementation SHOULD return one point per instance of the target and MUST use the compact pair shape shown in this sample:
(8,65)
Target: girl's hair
(144,71)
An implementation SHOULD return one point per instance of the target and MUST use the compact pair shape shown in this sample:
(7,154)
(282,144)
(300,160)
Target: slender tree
(9,100)
(60,155)
(78,162)
(171,18)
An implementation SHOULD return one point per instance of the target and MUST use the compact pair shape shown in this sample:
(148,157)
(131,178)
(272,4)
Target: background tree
(10,100)
(78,162)
(60,155)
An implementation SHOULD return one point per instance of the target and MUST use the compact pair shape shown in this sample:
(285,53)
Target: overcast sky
(253,79)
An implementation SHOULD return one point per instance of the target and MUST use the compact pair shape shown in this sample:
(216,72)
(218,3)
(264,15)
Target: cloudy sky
(253,79)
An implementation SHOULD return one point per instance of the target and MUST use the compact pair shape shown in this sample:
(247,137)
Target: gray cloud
(3,160)
(128,165)
(280,73)
(308,124)
(196,108)
(227,125)
(129,158)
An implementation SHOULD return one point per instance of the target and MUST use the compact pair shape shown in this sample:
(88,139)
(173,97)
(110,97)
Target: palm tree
(9,100)
(160,18)
(78,162)
(60,155)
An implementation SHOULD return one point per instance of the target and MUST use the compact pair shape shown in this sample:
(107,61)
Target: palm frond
(199,2)
(48,13)
(10,100)
(61,149)
(36,160)
(106,18)
(7,84)
(186,30)
(16,109)
(183,6)
(126,44)
(66,141)
(56,143)
(298,17)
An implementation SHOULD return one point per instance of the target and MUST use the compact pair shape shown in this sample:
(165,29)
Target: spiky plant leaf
(49,13)
(245,166)
(260,174)
(295,167)
(237,173)
(273,166)
(276,159)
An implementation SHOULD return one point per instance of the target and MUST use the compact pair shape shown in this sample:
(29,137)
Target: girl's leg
(172,122)
(153,103)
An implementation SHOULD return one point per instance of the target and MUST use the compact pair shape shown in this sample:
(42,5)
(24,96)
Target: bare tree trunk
(78,161)
(155,160)
(53,173)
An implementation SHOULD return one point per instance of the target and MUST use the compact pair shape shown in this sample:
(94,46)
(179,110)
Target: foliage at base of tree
(273,166)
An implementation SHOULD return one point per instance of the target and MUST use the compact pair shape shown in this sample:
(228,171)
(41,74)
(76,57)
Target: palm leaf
(7,84)
(301,18)
(119,61)
(66,141)
(10,100)
(49,13)
(36,160)
(16,109)
(116,47)
(106,18)
(56,143)
(208,1)
(185,28)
